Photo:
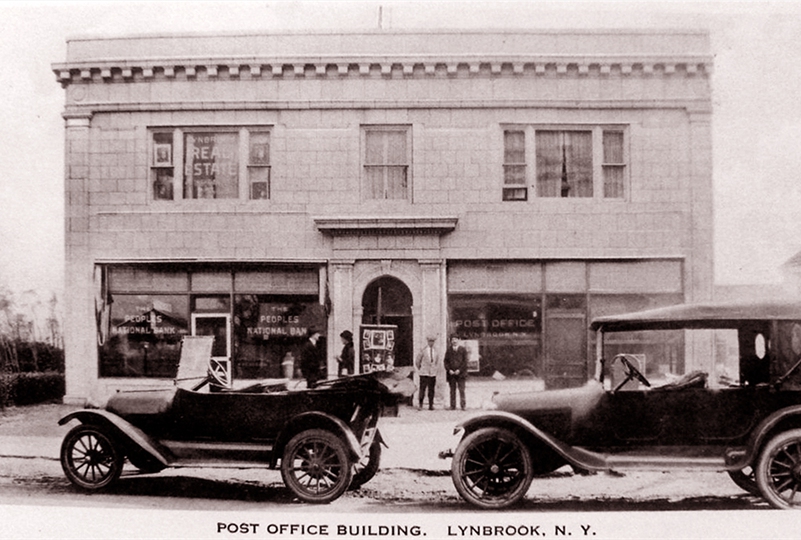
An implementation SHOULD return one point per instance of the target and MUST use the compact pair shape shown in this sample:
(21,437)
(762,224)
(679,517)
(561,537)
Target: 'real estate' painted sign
(212,165)
(211,155)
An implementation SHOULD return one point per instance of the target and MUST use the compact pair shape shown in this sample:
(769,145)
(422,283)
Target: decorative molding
(363,66)
(700,105)
(338,226)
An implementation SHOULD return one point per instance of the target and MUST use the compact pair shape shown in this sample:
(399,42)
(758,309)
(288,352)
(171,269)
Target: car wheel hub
(494,468)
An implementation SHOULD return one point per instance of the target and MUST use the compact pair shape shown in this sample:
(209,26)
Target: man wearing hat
(427,364)
(310,358)
(345,359)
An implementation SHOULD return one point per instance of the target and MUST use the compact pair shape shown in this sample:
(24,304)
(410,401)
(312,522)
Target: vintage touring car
(326,439)
(737,408)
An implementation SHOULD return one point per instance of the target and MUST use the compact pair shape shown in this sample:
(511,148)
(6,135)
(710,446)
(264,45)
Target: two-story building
(504,186)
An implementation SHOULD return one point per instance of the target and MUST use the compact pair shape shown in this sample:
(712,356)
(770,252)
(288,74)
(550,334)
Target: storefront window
(269,330)
(506,328)
(144,335)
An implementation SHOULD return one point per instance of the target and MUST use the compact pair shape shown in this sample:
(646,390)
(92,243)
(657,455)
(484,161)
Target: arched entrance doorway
(387,300)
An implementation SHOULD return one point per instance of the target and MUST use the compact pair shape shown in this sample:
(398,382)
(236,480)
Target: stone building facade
(505,187)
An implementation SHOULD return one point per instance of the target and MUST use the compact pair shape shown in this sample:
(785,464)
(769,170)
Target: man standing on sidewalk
(456,370)
(427,364)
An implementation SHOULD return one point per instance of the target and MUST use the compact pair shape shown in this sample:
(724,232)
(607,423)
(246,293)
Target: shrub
(30,388)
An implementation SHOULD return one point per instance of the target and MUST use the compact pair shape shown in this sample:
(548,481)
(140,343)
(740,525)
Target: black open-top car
(736,408)
(326,439)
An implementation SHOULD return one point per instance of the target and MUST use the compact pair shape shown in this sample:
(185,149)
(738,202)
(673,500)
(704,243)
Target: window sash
(386,164)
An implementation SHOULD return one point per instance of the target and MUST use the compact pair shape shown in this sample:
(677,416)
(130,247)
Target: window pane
(396,182)
(514,143)
(578,164)
(269,331)
(515,194)
(549,163)
(211,281)
(162,185)
(613,181)
(131,279)
(259,178)
(564,163)
(374,154)
(396,147)
(514,174)
(143,337)
(211,165)
(259,149)
(374,182)
(613,147)
(507,330)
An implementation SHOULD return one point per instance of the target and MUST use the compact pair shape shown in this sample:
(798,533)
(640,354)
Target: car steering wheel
(631,371)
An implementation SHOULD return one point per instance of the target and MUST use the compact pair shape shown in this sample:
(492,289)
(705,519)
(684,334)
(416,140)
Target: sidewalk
(415,437)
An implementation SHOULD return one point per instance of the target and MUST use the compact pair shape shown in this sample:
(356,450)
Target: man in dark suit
(456,370)
(310,359)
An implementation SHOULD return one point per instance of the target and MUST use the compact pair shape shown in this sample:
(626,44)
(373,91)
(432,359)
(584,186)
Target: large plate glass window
(144,334)
(269,333)
(211,165)
(507,330)
(386,163)
(564,163)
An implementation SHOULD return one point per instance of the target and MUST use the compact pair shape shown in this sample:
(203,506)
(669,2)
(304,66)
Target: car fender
(124,430)
(311,420)
(762,432)
(578,457)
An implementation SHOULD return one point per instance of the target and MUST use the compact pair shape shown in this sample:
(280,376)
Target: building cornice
(417,66)
(702,107)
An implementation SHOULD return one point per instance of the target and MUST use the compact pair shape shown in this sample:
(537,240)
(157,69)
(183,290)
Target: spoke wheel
(315,466)
(492,468)
(778,472)
(745,480)
(367,467)
(90,458)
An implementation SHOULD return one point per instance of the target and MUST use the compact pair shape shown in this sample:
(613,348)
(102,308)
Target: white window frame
(598,164)
(178,164)
(365,129)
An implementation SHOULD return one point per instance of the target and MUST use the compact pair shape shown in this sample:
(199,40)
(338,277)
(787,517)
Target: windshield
(664,356)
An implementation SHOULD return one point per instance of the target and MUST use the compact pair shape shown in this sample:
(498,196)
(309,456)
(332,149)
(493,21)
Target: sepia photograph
(397,269)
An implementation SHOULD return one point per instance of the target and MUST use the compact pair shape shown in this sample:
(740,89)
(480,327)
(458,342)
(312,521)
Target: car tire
(91,458)
(315,466)
(488,482)
(367,468)
(778,471)
(745,480)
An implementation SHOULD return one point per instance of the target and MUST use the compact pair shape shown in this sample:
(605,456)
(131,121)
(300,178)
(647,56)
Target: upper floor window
(211,164)
(569,163)
(514,166)
(386,163)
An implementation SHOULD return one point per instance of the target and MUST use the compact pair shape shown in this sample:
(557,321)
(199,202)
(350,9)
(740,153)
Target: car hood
(579,401)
